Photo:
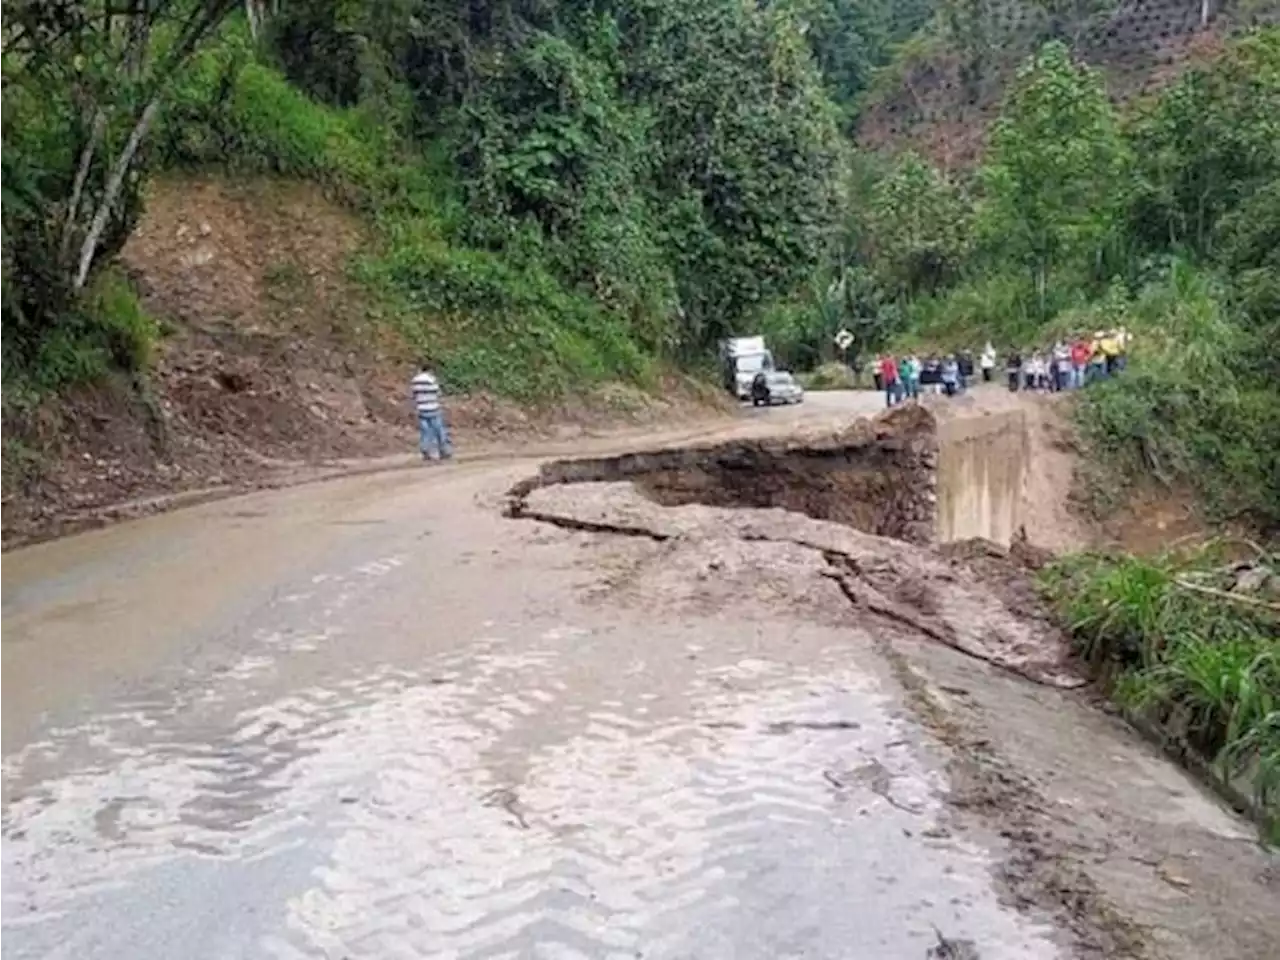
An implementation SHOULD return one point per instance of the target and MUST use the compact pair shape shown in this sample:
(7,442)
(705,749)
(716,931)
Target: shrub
(1205,665)
(830,376)
(493,326)
(129,333)
(1189,408)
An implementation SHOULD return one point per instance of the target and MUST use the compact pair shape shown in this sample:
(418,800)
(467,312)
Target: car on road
(751,375)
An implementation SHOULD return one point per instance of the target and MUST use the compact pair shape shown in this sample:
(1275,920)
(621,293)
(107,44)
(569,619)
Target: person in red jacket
(1081,351)
(889,376)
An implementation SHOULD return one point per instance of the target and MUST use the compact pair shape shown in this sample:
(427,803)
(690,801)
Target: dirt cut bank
(271,360)
(905,476)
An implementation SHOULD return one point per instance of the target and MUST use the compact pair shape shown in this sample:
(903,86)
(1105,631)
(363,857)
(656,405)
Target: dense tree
(667,156)
(748,154)
(921,226)
(851,39)
(1208,143)
(1058,172)
(83,82)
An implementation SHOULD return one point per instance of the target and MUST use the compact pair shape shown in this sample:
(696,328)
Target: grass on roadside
(1203,665)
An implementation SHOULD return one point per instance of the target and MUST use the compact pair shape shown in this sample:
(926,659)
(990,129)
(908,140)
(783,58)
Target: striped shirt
(426,392)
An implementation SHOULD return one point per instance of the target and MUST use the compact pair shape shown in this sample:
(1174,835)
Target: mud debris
(952,949)
(711,556)
(506,798)
(790,726)
(1039,873)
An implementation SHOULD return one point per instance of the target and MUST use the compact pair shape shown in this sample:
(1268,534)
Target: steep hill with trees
(212,209)
(943,89)
(545,198)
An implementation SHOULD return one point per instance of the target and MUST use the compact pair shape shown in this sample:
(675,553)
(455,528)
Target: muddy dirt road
(378,718)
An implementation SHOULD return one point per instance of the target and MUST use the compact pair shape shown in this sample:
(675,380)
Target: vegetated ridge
(944,86)
(228,237)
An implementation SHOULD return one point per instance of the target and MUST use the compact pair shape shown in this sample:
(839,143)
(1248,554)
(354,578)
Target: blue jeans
(433,437)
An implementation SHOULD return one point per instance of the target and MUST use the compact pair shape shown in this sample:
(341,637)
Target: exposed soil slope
(272,357)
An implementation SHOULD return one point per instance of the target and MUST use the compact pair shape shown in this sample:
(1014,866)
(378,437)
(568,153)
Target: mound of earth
(775,561)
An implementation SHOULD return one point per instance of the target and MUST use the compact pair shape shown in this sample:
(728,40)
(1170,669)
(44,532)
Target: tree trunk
(138,37)
(96,131)
(1206,8)
(114,182)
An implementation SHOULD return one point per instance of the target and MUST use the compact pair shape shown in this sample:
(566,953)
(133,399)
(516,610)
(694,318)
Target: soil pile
(775,561)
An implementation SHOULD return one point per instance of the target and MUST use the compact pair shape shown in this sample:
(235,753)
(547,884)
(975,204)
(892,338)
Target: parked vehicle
(749,373)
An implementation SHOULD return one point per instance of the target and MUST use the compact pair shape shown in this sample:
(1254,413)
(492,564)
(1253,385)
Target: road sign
(844,339)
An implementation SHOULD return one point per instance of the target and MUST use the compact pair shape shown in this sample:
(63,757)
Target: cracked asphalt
(375,718)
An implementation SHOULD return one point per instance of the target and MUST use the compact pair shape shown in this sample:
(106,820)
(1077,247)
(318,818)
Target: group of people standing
(1069,364)
(906,378)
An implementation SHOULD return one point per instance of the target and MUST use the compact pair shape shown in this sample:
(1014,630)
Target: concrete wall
(983,464)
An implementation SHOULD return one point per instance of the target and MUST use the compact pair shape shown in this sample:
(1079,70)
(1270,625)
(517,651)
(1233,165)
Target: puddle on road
(498,805)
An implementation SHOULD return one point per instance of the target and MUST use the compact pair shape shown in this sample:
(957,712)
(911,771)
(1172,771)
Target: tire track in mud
(1037,873)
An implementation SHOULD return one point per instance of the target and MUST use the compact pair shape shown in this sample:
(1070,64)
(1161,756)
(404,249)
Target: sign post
(844,340)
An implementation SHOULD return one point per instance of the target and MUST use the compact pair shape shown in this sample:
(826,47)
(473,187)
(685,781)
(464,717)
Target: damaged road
(715,701)
(766,556)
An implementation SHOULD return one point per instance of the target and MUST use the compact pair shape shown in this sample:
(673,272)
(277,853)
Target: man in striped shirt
(433,437)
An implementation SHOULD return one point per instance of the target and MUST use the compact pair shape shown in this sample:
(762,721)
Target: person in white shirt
(988,362)
(1037,373)
(433,436)
(1061,373)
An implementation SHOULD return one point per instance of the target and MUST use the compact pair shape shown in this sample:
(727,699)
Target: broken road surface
(380,718)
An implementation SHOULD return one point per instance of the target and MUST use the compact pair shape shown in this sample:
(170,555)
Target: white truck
(750,374)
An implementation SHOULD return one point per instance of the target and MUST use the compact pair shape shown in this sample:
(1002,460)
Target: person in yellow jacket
(1097,358)
(1123,338)
(1110,347)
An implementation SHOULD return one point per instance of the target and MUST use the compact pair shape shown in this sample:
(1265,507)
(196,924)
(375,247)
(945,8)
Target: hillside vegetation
(550,195)
(559,192)
(1159,215)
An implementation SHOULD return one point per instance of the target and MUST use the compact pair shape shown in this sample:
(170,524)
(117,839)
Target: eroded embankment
(876,476)
(904,475)
(858,509)
(983,468)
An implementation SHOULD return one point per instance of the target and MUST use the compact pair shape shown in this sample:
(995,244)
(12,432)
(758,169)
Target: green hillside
(557,194)
(585,188)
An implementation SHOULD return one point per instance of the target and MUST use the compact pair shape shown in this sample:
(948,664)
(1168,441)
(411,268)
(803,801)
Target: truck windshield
(755,362)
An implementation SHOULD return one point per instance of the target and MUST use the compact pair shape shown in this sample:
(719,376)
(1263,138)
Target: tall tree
(1059,168)
(921,226)
(84,82)
(1209,142)
(747,152)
